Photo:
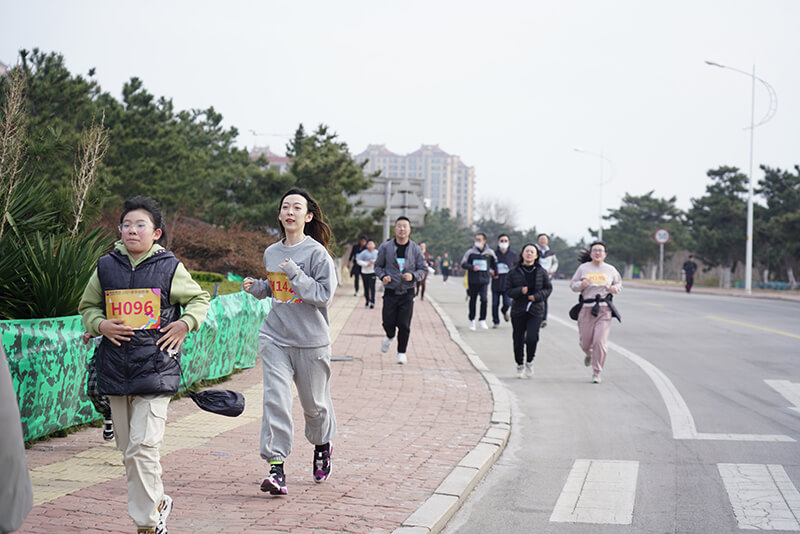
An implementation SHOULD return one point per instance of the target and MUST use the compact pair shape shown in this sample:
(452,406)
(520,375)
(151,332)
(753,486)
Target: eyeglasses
(127,227)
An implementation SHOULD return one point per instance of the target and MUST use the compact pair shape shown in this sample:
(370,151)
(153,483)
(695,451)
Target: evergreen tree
(718,220)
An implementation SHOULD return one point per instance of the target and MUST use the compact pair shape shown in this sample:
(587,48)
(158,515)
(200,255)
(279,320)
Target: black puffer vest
(138,367)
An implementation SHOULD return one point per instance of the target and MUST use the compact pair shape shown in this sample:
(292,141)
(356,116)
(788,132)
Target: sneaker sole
(268,487)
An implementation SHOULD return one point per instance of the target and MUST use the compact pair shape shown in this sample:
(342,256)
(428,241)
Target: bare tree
(94,142)
(495,209)
(12,141)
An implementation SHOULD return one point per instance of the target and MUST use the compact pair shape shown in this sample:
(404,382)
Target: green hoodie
(184,291)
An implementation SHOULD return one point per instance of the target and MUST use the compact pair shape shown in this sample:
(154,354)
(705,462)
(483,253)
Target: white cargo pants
(139,424)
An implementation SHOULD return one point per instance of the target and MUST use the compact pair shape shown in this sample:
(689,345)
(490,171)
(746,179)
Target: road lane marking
(598,491)
(790,390)
(755,327)
(762,496)
(680,416)
(653,304)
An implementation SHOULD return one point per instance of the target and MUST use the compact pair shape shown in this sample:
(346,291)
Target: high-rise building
(446,181)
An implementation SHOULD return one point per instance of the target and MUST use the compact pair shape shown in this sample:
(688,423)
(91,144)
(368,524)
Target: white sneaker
(528,370)
(484,325)
(472,325)
(163,512)
(385,345)
(401,358)
(520,371)
(596,379)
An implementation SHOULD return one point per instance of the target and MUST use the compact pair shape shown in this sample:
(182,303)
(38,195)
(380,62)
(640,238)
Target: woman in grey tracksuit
(294,341)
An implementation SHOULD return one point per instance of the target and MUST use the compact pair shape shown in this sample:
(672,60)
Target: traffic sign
(661,236)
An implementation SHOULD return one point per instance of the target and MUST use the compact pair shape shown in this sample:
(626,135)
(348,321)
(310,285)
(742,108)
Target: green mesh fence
(48,359)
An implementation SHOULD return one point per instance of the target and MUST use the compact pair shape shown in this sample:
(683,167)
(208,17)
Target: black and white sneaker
(322,463)
(275,483)
(108,430)
(163,512)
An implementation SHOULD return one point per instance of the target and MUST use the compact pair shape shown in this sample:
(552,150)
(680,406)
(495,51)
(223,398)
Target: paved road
(692,430)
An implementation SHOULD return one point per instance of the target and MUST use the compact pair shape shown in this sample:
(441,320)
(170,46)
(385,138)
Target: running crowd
(136,367)
(521,285)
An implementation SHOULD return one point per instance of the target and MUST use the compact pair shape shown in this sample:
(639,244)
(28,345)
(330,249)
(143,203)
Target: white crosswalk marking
(790,390)
(763,497)
(598,491)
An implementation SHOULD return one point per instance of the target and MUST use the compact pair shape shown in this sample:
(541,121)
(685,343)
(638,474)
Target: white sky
(511,87)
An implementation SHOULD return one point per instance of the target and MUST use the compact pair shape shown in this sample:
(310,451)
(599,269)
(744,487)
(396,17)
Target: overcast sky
(511,87)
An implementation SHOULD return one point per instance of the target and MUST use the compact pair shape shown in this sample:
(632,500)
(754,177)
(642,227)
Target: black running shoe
(275,483)
(322,464)
(108,430)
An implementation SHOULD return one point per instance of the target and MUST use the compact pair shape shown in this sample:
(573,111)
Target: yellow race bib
(597,278)
(138,308)
(281,289)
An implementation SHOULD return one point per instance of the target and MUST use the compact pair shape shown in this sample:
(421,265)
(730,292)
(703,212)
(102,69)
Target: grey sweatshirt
(301,292)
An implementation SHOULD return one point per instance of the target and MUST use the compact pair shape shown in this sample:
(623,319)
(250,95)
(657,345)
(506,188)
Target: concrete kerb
(433,514)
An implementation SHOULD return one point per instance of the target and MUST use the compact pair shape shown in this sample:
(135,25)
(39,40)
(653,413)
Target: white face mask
(503,246)
(478,245)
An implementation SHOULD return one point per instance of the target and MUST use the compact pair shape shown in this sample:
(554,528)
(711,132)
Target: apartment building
(446,181)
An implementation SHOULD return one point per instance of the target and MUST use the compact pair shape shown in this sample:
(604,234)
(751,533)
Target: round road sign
(661,236)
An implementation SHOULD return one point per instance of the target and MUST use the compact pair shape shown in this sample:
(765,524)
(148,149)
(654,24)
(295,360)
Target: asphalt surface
(685,393)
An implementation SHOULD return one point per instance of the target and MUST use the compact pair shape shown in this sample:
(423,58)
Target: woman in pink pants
(597,282)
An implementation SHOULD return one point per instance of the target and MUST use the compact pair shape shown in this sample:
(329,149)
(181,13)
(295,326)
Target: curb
(433,514)
(713,291)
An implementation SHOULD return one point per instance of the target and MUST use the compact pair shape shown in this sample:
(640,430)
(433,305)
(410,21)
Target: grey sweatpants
(310,368)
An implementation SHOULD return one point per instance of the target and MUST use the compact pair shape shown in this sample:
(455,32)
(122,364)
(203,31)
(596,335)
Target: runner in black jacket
(529,285)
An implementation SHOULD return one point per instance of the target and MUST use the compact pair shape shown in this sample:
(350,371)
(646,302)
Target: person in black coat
(528,284)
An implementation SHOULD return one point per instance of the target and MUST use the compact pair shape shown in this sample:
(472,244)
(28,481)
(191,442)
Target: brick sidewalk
(401,431)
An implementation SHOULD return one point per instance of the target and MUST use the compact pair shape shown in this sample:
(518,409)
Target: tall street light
(773,107)
(603,182)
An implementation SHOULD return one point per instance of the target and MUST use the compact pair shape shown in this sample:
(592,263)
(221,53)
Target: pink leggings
(593,333)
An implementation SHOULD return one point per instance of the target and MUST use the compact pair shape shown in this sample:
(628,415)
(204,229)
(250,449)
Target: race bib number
(597,279)
(481,265)
(401,262)
(138,308)
(281,289)
(502,268)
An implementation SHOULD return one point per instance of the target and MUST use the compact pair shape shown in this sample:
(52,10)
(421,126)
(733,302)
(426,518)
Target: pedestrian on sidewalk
(529,286)
(355,268)
(444,264)
(597,282)
(429,262)
(294,342)
(506,260)
(549,261)
(366,260)
(399,266)
(689,268)
(138,361)
(480,263)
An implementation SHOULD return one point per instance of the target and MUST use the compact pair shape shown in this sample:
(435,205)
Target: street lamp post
(773,106)
(603,161)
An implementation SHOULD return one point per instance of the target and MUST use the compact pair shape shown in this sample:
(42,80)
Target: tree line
(185,159)
(714,227)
